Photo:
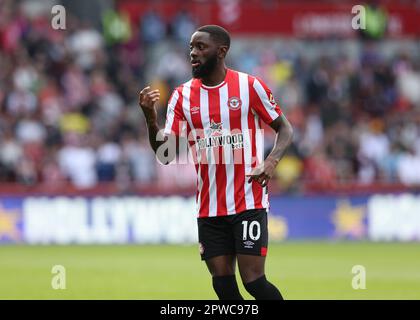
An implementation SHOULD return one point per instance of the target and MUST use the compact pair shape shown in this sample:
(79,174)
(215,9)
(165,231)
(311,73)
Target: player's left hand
(264,172)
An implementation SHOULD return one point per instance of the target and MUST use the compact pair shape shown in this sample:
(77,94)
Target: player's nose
(193,54)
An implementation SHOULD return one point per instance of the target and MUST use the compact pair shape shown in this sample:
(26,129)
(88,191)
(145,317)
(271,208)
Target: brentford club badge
(234,103)
(200,248)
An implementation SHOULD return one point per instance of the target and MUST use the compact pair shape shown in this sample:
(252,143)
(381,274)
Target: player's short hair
(217,33)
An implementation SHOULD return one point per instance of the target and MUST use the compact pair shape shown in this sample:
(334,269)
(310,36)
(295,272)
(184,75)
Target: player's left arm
(264,172)
(265,106)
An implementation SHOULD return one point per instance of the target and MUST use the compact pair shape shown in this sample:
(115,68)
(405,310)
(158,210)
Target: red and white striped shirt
(223,126)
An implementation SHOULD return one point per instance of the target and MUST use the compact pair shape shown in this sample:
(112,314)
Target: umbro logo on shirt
(195,110)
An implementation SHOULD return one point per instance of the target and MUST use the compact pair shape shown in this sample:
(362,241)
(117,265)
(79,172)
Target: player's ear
(223,52)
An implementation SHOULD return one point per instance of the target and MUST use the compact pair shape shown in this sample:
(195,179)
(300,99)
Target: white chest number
(254,230)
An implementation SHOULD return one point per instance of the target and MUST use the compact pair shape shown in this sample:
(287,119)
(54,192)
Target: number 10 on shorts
(254,230)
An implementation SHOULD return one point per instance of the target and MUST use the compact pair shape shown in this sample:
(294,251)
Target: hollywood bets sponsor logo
(218,139)
(216,128)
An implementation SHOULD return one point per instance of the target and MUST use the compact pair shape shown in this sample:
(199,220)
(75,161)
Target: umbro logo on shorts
(248,244)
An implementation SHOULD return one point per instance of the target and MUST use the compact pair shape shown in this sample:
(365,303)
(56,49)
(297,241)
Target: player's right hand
(148,98)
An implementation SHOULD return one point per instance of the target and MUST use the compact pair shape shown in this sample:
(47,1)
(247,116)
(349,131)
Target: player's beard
(206,68)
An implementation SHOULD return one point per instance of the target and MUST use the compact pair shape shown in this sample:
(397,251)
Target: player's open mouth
(195,64)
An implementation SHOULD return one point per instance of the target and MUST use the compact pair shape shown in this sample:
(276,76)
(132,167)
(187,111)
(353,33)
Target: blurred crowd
(69,113)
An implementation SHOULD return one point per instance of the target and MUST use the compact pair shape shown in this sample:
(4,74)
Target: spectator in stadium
(75,81)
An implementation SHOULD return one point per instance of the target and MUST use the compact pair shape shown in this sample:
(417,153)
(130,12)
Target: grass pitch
(301,270)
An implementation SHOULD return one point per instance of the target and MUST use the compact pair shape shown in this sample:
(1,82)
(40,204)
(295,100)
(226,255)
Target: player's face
(203,54)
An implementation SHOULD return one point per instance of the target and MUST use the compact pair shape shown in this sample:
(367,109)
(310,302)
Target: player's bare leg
(251,267)
(253,277)
(222,269)
(221,265)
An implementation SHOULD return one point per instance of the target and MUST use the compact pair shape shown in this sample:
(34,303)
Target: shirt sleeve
(264,104)
(175,121)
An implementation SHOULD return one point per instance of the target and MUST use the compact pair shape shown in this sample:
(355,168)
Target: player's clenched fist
(147,100)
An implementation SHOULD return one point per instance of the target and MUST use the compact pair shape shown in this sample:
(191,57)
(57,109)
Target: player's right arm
(163,146)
